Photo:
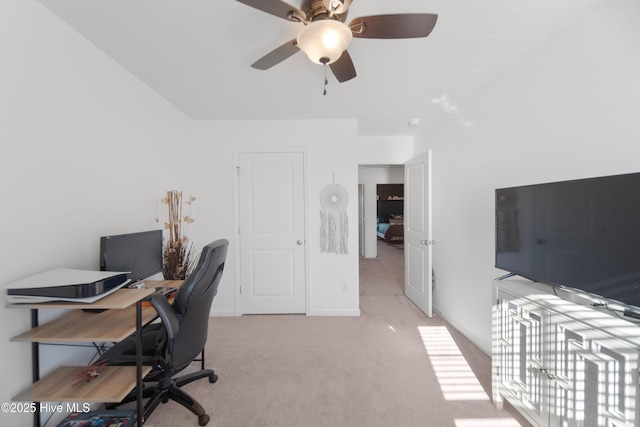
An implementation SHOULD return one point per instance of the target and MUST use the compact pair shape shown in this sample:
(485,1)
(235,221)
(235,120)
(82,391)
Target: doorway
(415,174)
(381,264)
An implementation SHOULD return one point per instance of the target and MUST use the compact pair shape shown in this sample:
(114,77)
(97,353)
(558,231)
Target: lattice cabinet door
(594,377)
(522,355)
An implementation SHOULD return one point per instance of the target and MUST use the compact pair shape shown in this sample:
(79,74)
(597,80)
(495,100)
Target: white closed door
(272,241)
(418,241)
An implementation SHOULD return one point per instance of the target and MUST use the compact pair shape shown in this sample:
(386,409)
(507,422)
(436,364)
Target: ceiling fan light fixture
(324,41)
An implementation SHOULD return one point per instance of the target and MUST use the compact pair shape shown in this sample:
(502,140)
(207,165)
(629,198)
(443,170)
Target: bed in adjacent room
(391,231)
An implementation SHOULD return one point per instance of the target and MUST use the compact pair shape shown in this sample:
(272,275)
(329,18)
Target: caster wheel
(212,379)
(203,419)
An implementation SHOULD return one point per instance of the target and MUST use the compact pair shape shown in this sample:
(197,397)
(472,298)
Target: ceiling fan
(325,37)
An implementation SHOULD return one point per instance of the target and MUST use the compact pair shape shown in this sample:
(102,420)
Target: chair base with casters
(170,389)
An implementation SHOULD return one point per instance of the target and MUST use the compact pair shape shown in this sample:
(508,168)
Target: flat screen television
(582,234)
(140,254)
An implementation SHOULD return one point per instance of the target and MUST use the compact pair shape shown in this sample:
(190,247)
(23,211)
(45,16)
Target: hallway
(383,275)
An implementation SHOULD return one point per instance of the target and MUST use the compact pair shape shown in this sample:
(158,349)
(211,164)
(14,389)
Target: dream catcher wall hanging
(334,224)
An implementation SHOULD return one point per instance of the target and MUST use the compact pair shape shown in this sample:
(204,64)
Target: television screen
(583,234)
(140,254)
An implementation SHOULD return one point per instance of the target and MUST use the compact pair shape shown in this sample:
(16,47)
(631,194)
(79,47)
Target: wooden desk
(117,322)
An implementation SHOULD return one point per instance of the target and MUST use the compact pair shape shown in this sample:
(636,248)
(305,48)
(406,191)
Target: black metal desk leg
(35,364)
(140,415)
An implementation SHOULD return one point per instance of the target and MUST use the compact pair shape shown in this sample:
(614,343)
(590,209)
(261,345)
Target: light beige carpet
(392,366)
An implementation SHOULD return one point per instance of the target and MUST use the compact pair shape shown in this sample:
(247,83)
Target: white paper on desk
(61,277)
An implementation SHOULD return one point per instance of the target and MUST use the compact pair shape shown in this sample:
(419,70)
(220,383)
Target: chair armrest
(167,315)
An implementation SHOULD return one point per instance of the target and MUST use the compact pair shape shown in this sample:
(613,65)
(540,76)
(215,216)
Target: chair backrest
(192,304)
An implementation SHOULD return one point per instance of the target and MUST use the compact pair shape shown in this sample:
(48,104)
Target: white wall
(568,110)
(87,150)
(384,150)
(370,177)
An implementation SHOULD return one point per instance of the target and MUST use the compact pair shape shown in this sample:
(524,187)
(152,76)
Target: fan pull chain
(326,81)
(324,61)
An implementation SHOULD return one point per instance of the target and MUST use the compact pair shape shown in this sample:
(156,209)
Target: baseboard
(222,313)
(352,313)
(467,334)
(355,313)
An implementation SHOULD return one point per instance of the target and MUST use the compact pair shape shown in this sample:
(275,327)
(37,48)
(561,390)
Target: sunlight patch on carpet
(457,380)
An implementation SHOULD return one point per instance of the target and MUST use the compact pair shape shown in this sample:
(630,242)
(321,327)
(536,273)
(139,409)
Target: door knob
(299,242)
(427,242)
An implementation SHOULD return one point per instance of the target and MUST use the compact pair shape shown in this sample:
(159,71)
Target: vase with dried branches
(178,254)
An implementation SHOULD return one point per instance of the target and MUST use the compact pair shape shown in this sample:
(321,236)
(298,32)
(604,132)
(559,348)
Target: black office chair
(170,346)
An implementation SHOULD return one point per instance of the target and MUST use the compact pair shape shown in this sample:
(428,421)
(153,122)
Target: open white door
(272,222)
(417,239)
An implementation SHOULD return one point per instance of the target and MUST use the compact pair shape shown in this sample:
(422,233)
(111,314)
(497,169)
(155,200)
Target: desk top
(151,284)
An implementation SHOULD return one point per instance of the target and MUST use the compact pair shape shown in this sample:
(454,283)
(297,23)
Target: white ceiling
(197,55)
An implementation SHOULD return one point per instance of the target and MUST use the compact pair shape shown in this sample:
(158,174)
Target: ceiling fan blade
(276,56)
(343,68)
(277,8)
(399,26)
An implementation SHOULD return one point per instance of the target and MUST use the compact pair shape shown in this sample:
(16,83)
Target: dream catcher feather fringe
(334,223)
